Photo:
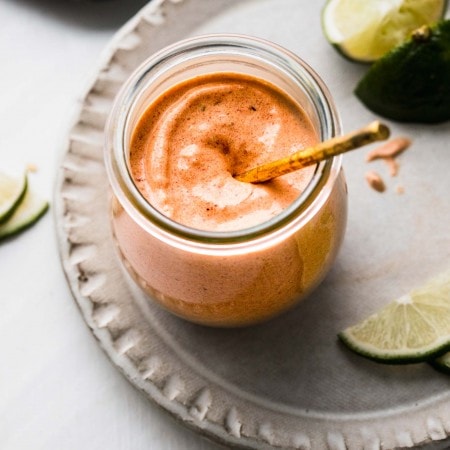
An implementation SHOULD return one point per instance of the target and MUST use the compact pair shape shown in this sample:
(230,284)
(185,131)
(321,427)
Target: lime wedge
(366,30)
(413,328)
(29,210)
(412,83)
(442,363)
(12,191)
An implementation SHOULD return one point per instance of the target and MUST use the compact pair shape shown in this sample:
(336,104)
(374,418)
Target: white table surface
(58,390)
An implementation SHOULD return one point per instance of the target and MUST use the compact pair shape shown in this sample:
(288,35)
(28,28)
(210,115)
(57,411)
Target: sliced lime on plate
(413,328)
(28,211)
(366,30)
(12,191)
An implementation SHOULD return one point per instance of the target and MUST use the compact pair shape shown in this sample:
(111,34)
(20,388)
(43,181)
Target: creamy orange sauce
(192,140)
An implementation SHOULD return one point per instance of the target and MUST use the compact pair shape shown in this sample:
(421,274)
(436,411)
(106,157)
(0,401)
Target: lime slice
(411,83)
(30,209)
(366,30)
(413,328)
(12,191)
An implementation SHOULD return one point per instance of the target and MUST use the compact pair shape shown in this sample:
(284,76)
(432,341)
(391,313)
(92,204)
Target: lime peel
(411,83)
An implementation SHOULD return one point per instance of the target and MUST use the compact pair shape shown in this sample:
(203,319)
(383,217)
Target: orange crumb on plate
(393,166)
(375,181)
(390,149)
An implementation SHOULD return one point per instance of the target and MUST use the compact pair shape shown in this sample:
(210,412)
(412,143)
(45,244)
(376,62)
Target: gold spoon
(375,131)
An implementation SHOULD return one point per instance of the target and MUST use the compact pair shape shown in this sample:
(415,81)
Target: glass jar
(240,277)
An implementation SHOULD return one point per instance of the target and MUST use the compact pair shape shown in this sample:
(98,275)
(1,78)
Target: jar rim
(141,210)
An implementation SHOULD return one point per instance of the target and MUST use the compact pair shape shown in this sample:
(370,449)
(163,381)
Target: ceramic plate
(287,383)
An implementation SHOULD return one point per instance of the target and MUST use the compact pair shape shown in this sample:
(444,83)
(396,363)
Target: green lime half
(413,328)
(412,82)
(365,30)
(12,191)
(29,211)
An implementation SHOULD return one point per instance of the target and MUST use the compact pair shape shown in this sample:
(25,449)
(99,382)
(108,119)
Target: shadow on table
(100,14)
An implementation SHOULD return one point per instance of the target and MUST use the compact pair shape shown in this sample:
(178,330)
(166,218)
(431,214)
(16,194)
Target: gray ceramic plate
(287,383)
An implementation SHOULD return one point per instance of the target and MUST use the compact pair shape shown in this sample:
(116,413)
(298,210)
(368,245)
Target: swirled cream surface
(190,142)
